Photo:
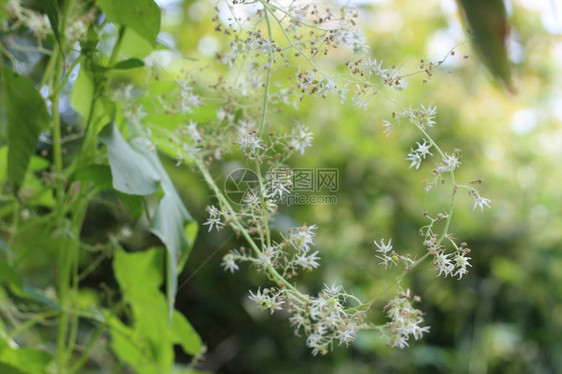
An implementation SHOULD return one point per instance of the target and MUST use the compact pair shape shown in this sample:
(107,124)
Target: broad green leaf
(134,45)
(137,164)
(183,334)
(83,92)
(9,369)
(130,347)
(27,360)
(131,63)
(170,220)
(130,170)
(51,9)
(26,116)
(139,275)
(487,20)
(143,16)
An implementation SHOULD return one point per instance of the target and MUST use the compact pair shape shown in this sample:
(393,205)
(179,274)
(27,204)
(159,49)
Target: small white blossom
(481,202)
(193,132)
(229,263)
(451,161)
(461,263)
(415,159)
(387,128)
(346,336)
(307,261)
(214,218)
(423,149)
(302,237)
(276,188)
(384,248)
(444,264)
(250,142)
(301,138)
(265,301)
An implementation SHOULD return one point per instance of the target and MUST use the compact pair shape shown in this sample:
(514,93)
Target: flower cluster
(242,125)
(405,320)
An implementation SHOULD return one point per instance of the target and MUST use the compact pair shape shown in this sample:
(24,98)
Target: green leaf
(170,220)
(9,275)
(134,45)
(487,19)
(136,168)
(51,9)
(26,360)
(130,170)
(151,324)
(26,116)
(131,63)
(142,16)
(184,334)
(83,92)
(100,175)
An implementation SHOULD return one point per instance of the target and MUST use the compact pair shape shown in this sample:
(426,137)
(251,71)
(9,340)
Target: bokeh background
(503,317)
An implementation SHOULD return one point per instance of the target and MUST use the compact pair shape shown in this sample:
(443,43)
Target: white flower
(266,258)
(229,263)
(332,290)
(423,149)
(384,248)
(265,301)
(193,132)
(276,188)
(400,341)
(359,103)
(302,237)
(250,142)
(461,262)
(480,201)
(387,128)
(418,331)
(214,218)
(307,261)
(444,264)
(415,159)
(216,222)
(451,161)
(346,336)
(298,320)
(301,138)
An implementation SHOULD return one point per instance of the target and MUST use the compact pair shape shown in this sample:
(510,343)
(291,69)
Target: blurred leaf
(51,9)
(83,92)
(8,369)
(130,170)
(131,63)
(143,16)
(9,275)
(100,175)
(26,116)
(134,45)
(487,20)
(26,360)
